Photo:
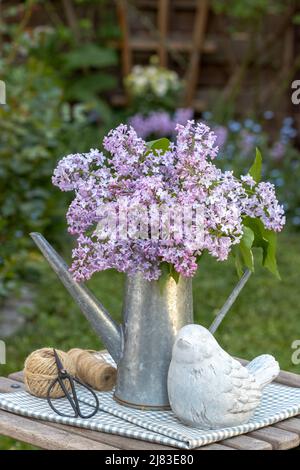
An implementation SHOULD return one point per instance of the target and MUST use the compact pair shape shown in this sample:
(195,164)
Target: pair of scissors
(62,376)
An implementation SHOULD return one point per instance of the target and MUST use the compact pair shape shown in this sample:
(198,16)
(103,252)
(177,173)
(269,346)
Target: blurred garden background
(76,68)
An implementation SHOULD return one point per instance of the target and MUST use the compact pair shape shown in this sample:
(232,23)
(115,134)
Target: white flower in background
(153,79)
(159,86)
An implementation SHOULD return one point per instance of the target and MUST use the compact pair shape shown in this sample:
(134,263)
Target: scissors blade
(58,361)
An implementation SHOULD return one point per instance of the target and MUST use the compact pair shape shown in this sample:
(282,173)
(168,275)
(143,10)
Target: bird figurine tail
(264,368)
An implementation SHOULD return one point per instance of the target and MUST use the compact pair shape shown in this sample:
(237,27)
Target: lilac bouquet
(159,178)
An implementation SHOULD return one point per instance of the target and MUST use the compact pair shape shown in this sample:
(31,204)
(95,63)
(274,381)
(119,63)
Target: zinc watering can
(142,346)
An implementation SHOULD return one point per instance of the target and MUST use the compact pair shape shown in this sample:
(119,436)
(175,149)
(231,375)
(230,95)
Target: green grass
(265,318)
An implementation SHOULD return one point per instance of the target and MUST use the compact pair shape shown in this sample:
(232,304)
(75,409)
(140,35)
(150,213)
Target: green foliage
(296,19)
(256,235)
(80,53)
(243,253)
(248,9)
(89,55)
(267,241)
(56,101)
(87,87)
(256,168)
(162,144)
(31,135)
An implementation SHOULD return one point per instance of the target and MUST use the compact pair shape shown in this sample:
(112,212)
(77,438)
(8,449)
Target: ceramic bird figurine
(209,389)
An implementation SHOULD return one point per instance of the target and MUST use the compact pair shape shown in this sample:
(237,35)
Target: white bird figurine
(209,389)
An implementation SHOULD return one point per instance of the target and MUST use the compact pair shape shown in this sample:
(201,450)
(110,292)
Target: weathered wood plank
(46,437)
(8,385)
(18,376)
(245,442)
(196,52)
(122,11)
(120,442)
(163,23)
(288,378)
(173,44)
(215,447)
(278,438)
(291,424)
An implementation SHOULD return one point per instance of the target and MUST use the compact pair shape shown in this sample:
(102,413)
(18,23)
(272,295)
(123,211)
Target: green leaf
(296,19)
(269,253)
(90,55)
(239,264)
(159,144)
(174,274)
(167,271)
(255,170)
(243,252)
(165,274)
(87,87)
(267,241)
(245,247)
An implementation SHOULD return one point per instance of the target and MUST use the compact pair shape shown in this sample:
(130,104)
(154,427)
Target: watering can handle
(229,302)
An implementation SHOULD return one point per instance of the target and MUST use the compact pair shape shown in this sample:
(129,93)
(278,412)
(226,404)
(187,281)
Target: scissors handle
(59,381)
(72,397)
(87,387)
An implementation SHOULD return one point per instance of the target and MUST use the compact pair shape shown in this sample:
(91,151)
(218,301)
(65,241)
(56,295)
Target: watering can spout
(100,320)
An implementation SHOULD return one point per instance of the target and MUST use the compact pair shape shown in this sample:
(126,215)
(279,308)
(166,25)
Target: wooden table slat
(216,447)
(280,439)
(41,435)
(9,386)
(289,379)
(291,424)
(114,440)
(18,376)
(244,442)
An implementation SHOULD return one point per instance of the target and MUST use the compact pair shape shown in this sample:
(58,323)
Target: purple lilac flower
(159,123)
(183,176)
(222,135)
(248,142)
(278,151)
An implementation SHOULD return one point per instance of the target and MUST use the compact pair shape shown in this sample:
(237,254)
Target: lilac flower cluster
(159,123)
(183,175)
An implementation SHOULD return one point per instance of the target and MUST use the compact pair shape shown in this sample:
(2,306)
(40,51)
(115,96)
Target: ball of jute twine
(93,370)
(40,371)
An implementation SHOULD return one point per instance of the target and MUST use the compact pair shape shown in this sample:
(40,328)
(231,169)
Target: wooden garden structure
(187,36)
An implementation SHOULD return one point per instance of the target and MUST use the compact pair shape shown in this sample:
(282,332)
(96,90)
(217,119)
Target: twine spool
(40,371)
(92,369)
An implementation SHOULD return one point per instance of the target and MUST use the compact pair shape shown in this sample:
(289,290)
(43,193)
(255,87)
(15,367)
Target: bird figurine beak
(183,343)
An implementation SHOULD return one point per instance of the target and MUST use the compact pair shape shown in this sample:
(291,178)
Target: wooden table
(280,436)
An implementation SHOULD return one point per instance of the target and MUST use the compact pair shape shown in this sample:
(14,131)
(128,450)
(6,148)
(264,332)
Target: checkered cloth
(278,403)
